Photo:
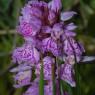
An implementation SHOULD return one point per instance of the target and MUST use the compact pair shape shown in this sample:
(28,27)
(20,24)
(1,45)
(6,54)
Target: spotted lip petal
(47,64)
(25,29)
(78,48)
(67,74)
(34,89)
(26,53)
(49,45)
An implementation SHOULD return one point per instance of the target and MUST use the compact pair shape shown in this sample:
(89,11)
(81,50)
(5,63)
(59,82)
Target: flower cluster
(47,38)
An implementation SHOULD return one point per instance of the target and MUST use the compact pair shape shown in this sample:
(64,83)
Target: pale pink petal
(67,15)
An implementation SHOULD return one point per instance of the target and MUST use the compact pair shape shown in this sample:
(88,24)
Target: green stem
(62,87)
(41,82)
(78,92)
(53,79)
(59,80)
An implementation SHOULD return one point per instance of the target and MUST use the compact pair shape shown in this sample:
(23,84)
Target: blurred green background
(85,19)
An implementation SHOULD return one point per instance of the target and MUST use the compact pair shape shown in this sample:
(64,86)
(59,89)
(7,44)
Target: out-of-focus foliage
(85,19)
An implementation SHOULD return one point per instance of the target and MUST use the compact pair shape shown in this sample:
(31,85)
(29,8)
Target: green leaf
(91,26)
(3,88)
(92,4)
(86,12)
(77,76)
(86,8)
(18,91)
(66,87)
(54,87)
(41,83)
(16,10)
(4,4)
(62,87)
(67,4)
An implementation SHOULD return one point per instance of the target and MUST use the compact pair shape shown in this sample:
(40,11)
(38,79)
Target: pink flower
(43,27)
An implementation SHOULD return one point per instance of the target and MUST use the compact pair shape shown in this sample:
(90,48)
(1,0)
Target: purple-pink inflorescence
(47,38)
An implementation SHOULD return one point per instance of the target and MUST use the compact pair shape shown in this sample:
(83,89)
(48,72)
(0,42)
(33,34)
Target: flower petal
(67,74)
(21,67)
(34,89)
(55,5)
(88,58)
(47,64)
(67,15)
(26,53)
(49,45)
(22,78)
(71,26)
